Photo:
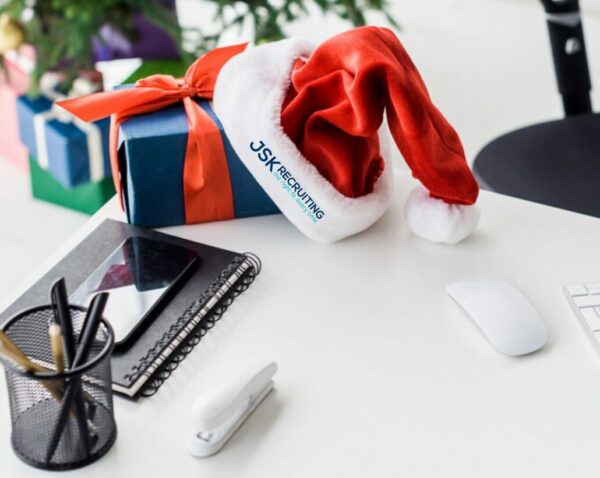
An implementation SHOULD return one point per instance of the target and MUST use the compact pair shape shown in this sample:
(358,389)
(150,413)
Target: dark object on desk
(36,411)
(181,324)
(142,275)
(156,264)
(555,163)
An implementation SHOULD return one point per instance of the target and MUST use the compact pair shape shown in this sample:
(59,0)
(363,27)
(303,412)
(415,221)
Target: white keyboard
(585,299)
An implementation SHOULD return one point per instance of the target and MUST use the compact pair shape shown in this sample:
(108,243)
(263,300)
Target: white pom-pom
(438,221)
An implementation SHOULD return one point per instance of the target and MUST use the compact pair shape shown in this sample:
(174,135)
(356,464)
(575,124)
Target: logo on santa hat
(287,180)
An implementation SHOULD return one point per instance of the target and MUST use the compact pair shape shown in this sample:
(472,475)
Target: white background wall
(487,64)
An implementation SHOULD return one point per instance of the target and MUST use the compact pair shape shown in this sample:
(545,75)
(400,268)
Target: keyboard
(585,300)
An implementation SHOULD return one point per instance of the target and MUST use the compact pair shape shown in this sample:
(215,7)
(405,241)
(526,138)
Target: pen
(62,315)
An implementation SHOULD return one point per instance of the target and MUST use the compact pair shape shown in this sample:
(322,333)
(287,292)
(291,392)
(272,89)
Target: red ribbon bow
(206,185)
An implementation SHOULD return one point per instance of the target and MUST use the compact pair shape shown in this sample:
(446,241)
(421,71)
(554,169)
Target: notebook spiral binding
(244,269)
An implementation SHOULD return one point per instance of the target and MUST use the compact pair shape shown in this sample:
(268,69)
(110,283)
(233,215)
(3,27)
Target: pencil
(10,349)
(11,352)
(55,334)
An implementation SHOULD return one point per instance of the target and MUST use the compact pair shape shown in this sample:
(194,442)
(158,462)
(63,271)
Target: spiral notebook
(185,319)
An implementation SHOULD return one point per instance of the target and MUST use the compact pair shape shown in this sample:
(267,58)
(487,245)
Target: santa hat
(305,122)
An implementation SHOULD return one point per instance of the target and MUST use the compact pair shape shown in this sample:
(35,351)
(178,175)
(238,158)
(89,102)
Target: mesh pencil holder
(46,432)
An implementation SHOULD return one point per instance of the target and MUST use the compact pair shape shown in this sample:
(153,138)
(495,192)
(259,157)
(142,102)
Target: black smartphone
(139,275)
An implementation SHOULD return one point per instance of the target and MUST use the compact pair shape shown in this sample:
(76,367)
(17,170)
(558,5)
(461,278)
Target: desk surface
(381,374)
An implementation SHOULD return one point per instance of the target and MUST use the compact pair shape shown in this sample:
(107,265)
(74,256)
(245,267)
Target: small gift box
(151,42)
(86,198)
(14,81)
(152,154)
(72,151)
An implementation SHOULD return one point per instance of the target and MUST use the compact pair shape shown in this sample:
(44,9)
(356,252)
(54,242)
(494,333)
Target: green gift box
(86,198)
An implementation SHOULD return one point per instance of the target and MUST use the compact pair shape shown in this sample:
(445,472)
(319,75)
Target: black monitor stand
(555,163)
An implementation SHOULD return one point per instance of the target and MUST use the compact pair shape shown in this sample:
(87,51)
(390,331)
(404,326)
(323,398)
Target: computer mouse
(506,318)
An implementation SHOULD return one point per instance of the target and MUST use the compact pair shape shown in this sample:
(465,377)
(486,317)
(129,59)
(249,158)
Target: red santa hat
(305,122)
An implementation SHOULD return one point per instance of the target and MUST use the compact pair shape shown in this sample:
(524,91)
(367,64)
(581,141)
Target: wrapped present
(13,83)
(152,153)
(172,162)
(86,198)
(151,42)
(71,150)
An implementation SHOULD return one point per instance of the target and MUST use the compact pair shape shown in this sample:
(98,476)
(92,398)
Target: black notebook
(199,302)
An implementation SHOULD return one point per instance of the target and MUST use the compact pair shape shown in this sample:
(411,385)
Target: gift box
(86,198)
(151,42)
(72,151)
(152,152)
(14,81)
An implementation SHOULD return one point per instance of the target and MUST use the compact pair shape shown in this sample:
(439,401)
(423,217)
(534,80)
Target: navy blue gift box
(152,150)
(67,147)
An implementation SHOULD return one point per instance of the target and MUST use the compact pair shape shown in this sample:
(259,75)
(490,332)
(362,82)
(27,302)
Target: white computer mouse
(503,314)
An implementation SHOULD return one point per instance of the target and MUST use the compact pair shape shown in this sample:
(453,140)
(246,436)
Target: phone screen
(137,275)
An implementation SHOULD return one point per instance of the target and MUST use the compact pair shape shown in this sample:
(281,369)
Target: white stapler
(220,411)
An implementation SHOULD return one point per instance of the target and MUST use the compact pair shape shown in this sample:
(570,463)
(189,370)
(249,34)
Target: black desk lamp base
(555,163)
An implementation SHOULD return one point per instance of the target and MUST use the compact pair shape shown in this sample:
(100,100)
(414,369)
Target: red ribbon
(206,185)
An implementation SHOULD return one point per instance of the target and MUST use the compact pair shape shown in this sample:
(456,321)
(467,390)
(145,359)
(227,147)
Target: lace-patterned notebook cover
(198,304)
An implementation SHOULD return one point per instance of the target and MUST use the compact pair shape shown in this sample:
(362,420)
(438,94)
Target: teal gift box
(72,151)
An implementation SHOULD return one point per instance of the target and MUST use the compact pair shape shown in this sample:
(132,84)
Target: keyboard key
(597,335)
(587,301)
(594,290)
(591,317)
(575,290)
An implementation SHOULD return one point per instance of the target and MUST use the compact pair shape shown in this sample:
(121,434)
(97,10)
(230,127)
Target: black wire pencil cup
(57,364)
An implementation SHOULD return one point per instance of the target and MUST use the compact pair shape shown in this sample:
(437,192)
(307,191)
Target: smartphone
(140,275)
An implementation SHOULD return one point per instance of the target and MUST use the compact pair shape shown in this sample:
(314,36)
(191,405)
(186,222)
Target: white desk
(381,374)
